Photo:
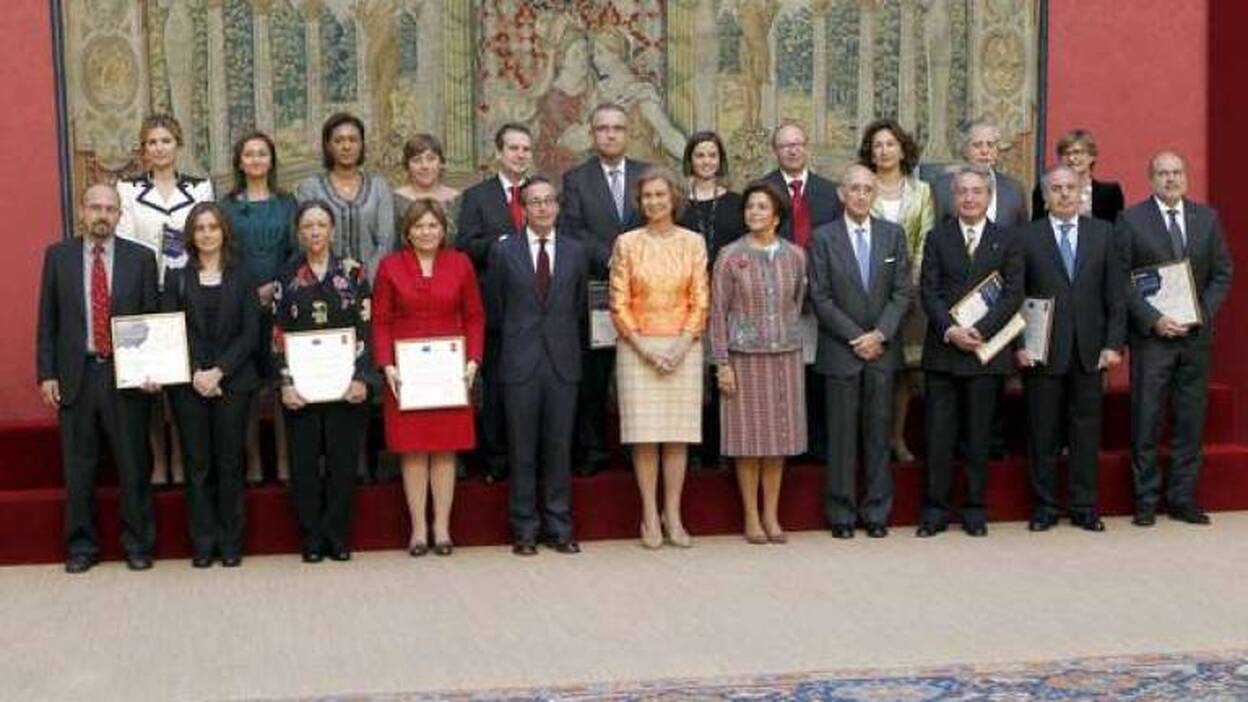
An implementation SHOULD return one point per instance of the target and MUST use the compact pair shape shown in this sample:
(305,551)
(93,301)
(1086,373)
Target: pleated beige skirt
(657,408)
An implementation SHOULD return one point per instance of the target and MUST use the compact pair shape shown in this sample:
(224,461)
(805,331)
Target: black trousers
(816,418)
(1064,407)
(492,419)
(597,366)
(324,498)
(1177,371)
(858,406)
(123,417)
(951,400)
(541,419)
(213,432)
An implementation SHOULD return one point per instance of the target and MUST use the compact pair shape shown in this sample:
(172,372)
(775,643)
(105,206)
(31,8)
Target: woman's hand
(291,398)
(727,379)
(470,374)
(392,380)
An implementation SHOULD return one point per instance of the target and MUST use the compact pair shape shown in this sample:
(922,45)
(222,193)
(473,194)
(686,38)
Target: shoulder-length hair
(674,186)
(227,234)
(696,140)
(335,121)
(909,149)
(419,209)
(240,178)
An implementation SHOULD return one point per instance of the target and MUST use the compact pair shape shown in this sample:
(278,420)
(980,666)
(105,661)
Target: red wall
(29,194)
(1133,72)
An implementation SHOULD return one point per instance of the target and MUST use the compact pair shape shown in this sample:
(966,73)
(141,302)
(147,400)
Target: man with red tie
(86,282)
(813,202)
(488,212)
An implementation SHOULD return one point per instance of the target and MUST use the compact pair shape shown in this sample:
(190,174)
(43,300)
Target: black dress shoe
(138,562)
(444,548)
(842,531)
(1190,514)
(310,556)
(339,553)
(976,529)
(927,530)
(201,562)
(1087,522)
(568,547)
(80,563)
(1144,518)
(875,530)
(1042,522)
(231,561)
(524,548)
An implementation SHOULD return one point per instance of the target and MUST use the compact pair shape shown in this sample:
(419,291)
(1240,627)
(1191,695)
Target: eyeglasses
(542,202)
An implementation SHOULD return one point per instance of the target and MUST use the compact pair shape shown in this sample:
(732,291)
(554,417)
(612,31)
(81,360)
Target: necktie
(543,269)
(971,243)
(863,254)
(517,209)
(101,337)
(617,192)
(1068,251)
(801,214)
(1176,234)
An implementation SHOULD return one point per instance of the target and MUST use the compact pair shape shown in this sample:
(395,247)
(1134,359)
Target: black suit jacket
(61,343)
(948,274)
(1107,201)
(588,213)
(845,310)
(531,327)
(1142,231)
(236,332)
(484,218)
(1089,312)
(825,204)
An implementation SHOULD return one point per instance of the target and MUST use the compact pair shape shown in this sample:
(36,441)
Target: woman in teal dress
(261,216)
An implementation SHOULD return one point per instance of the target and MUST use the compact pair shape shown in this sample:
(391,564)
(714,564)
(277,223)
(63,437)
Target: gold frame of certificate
(1171,290)
(431,373)
(602,331)
(150,347)
(1037,313)
(321,362)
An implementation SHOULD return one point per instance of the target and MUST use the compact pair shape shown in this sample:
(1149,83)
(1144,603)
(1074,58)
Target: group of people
(795,318)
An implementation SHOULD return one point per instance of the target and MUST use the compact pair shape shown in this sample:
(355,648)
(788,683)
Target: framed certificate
(321,362)
(975,305)
(150,347)
(431,373)
(808,328)
(602,332)
(1037,312)
(988,350)
(1171,290)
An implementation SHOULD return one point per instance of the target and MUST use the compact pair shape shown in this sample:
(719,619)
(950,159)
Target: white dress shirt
(534,248)
(1165,215)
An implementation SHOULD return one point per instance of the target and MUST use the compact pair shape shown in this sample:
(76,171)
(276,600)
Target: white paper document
(808,326)
(431,373)
(602,332)
(321,363)
(1170,290)
(150,347)
(1037,312)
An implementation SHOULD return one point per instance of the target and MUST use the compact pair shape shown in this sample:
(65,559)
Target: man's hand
(150,386)
(291,398)
(965,338)
(50,391)
(868,346)
(1109,359)
(1167,328)
(1024,359)
(207,382)
(357,392)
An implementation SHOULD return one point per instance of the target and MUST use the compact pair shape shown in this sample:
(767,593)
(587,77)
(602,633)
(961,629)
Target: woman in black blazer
(1101,199)
(222,324)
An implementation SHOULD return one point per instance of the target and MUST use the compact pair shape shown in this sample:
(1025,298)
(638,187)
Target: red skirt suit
(408,305)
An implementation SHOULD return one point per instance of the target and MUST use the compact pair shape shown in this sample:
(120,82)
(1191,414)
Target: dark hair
(240,178)
(696,140)
(674,186)
(335,121)
(313,204)
(909,149)
(772,191)
(227,234)
(510,127)
(419,209)
(536,180)
(419,144)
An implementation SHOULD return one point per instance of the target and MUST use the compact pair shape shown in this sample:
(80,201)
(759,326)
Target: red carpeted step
(606,506)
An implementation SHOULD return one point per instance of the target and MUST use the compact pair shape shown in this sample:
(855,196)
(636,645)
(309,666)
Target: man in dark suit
(537,285)
(958,255)
(813,202)
(598,198)
(1073,261)
(1168,357)
(87,281)
(860,290)
(488,212)
(981,146)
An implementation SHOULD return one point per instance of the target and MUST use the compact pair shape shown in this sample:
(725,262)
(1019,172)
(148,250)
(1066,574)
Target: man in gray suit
(1168,357)
(860,291)
(536,283)
(981,146)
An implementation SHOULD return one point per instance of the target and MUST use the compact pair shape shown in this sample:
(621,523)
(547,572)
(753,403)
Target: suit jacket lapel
(121,276)
(958,240)
(845,252)
(877,258)
(1052,248)
(1161,230)
(1193,227)
(227,290)
(1084,248)
(76,273)
(598,177)
(523,257)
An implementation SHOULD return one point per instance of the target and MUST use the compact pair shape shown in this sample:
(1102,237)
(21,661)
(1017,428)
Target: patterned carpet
(1203,677)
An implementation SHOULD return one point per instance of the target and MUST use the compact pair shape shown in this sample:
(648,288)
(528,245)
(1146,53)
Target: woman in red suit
(427,290)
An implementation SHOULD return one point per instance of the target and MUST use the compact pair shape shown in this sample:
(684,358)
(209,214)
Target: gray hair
(1048,175)
(969,169)
(980,123)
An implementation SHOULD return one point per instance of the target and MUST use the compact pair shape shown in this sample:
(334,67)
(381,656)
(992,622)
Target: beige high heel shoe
(680,539)
(650,539)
